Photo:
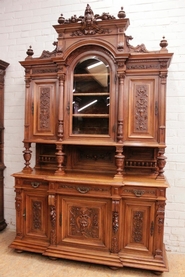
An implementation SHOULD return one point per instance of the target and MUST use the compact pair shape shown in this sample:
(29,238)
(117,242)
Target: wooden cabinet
(95,109)
(3,66)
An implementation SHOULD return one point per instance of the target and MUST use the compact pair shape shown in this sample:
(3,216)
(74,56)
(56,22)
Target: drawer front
(77,189)
(139,192)
(32,184)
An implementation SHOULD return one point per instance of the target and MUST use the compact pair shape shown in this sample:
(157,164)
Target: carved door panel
(141,106)
(36,215)
(44,109)
(138,227)
(85,222)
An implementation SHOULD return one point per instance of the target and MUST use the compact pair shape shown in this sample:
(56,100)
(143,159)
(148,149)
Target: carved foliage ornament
(141,108)
(44,108)
(36,210)
(137,233)
(88,22)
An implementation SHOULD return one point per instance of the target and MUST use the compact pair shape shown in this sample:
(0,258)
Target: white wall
(29,22)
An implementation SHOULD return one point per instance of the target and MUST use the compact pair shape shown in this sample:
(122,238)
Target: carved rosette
(141,109)
(84,222)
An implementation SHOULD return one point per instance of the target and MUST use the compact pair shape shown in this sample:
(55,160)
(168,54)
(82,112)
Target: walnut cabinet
(95,110)
(3,66)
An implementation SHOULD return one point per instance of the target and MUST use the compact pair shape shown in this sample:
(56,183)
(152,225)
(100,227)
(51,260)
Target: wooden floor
(27,264)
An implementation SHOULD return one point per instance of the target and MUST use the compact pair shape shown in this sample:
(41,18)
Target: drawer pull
(83,189)
(138,193)
(35,184)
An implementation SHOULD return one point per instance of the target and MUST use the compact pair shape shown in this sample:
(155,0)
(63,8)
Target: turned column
(119,160)
(61,108)
(161,162)
(121,77)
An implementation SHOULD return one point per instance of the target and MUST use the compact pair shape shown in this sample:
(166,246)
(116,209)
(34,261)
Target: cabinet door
(141,107)
(85,222)
(91,102)
(36,215)
(43,110)
(138,227)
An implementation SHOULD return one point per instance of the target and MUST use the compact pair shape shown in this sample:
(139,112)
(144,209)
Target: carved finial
(121,13)
(30,52)
(61,19)
(163,44)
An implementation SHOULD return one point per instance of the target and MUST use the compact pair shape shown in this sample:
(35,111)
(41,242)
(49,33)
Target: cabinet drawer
(77,189)
(140,192)
(34,184)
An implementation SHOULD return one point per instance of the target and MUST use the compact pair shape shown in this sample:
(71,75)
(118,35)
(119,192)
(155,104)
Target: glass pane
(91,104)
(91,99)
(90,125)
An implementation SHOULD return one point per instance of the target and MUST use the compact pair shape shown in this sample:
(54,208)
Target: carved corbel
(163,76)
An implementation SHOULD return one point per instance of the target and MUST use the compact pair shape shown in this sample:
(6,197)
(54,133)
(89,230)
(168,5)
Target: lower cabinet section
(112,222)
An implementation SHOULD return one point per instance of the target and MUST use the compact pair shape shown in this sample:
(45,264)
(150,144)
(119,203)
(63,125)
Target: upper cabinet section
(95,87)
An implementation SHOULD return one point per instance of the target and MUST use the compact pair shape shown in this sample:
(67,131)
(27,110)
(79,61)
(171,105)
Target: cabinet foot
(18,251)
(114,267)
(158,273)
(52,258)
